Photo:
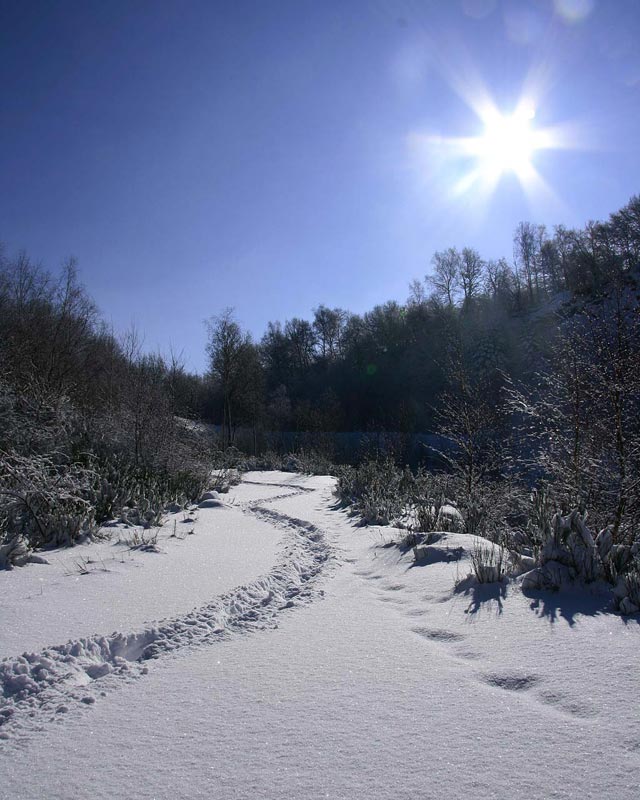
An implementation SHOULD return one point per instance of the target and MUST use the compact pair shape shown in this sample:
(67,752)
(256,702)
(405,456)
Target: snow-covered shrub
(139,494)
(14,551)
(449,519)
(291,463)
(488,561)
(568,552)
(50,501)
(44,503)
(531,537)
(269,460)
(490,509)
(627,588)
(231,458)
(308,462)
(564,550)
(425,495)
(384,494)
(379,507)
(374,489)
(314,462)
(34,419)
(223,479)
(628,591)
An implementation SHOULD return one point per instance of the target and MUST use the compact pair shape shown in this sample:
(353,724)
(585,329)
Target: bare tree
(498,279)
(525,253)
(328,324)
(417,293)
(580,422)
(469,418)
(226,348)
(301,339)
(445,279)
(471,271)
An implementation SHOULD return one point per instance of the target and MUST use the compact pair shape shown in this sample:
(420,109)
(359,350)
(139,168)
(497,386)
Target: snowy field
(281,651)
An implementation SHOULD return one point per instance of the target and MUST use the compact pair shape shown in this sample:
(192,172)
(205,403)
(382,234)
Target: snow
(379,678)
(99,588)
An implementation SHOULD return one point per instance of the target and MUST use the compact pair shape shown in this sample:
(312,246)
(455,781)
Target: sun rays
(502,144)
(506,143)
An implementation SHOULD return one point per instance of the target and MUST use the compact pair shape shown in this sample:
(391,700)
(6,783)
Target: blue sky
(272,156)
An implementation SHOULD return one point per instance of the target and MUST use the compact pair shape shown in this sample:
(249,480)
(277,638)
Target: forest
(498,378)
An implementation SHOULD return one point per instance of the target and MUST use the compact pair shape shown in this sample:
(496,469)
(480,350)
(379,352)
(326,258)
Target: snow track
(38,686)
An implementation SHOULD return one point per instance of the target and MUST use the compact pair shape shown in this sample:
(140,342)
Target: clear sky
(275,155)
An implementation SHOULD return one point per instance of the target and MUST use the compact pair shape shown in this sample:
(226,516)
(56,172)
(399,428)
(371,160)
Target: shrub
(425,497)
(567,551)
(121,484)
(488,562)
(374,489)
(223,479)
(44,502)
(627,592)
(314,462)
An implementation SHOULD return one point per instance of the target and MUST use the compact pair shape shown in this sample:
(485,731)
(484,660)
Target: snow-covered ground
(316,663)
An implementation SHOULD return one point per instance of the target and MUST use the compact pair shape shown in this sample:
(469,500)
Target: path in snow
(391,685)
(38,686)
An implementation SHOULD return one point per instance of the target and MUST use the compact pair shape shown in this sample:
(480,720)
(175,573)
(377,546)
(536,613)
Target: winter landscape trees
(527,371)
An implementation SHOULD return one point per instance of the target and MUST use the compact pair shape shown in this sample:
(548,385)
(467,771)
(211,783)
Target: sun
(507,143)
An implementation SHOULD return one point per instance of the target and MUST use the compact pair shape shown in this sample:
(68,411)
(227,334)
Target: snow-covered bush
(425,495)
(560,549)
(141,493)
(291,463)
(530,537)
(50,501)
(491,510)
(627,590)
(374,489)
(14,551)
(309,462)
(43,503)
(269,460)
(223,479)
(488,561)
(314,462)
(567,553)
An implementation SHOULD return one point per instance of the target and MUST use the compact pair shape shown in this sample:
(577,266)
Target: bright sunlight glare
(508,143)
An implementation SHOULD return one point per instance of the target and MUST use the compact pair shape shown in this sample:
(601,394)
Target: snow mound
(211,500)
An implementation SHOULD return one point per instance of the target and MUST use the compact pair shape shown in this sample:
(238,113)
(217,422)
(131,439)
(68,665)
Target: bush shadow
(566,605)
(435,555)
(481,594)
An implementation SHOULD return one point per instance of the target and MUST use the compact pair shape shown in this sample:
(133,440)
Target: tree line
(387,369)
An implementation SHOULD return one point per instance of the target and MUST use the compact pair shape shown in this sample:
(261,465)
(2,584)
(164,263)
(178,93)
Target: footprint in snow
(558,701)
(439,635)
(468,655)
(567,705)
(416,612)
(389,594)
(396,601)
(511,681)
